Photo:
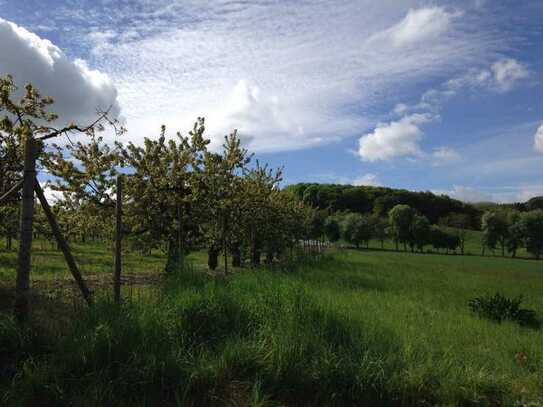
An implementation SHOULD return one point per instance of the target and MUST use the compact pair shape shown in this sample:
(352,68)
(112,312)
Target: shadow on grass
(434,252)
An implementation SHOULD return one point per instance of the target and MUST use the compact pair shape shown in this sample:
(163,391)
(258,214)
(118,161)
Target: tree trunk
(22,287)
(236,256)
(180,235)
(118,241)
(255,255)
(213,257)
(269,257)
(173,261)
(224,245)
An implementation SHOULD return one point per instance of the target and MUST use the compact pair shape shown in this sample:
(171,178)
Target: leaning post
(63,245)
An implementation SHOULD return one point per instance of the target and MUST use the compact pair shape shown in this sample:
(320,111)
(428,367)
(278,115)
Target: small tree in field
(332,229)
(531,223)
(495,225)
(380,229)
(420,232)
(461,222)
(357,229)
(400,219)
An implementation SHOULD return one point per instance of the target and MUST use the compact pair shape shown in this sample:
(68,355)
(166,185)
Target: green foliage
(442,239)
(380,200)
(401,218)
(531,227)
(357,229)
(332,229)
(420,232)
(500,308)
(495,226)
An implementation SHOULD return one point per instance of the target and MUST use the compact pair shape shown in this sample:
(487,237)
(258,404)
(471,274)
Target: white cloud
(528,192)
(445,155)
(420,25)
(468,194)
(538,139)
(507,72)
(502,76)
(78,90)
(394,139)
(502,194)
(401,108)
(368,180)
(51,195)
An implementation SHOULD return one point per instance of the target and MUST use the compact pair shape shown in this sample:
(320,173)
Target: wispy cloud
(538,139)
(368,180)
(273,70)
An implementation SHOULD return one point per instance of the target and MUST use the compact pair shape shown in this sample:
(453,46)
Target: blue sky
(423,95)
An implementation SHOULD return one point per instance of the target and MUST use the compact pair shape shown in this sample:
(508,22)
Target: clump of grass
(499,308)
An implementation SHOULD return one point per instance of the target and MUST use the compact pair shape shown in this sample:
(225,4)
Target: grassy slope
(365,327)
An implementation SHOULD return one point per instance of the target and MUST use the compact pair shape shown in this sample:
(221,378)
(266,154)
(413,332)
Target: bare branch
(4,198)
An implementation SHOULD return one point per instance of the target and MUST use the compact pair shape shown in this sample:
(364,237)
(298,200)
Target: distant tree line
(404,226)
(380,200)
(504,229)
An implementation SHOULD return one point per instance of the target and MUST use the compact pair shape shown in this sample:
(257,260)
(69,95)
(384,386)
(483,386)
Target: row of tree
(177,194)
(403,226)
(509,230)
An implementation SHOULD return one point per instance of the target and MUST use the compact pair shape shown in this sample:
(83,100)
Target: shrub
(499,308)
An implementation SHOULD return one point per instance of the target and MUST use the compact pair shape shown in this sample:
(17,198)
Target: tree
(332,229)
(531,223)
(495,225)
(515,238)
(380,229)
(420,232)
(165,191)
(357,229)
(461,222)
(400,219)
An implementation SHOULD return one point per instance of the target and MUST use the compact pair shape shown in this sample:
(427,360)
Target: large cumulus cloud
(78,90)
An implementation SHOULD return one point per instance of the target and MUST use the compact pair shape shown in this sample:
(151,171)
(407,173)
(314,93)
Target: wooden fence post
(118,240)
(22,285)
(63,244)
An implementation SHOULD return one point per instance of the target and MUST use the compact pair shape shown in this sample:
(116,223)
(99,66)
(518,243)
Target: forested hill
(379,200)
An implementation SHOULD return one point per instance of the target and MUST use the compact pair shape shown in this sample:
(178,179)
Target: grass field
(365,327)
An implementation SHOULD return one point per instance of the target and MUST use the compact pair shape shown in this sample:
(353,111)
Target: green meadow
(355,327)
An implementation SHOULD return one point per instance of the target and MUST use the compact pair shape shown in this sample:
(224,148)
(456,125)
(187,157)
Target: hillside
(380,200)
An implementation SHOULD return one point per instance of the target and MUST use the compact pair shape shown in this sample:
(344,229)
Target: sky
(445,96)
